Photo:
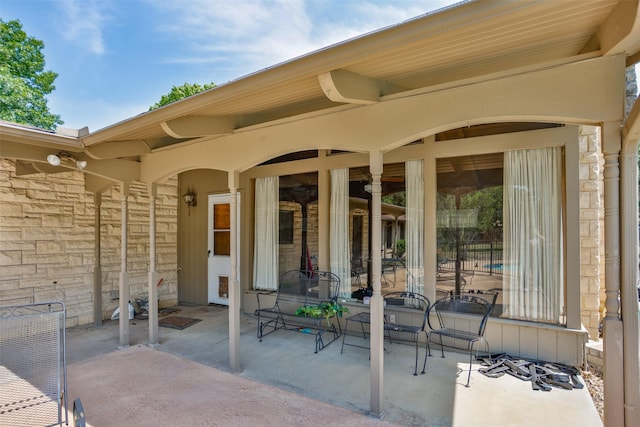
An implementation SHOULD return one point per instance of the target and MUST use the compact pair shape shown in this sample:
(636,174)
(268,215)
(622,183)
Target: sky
(116,58)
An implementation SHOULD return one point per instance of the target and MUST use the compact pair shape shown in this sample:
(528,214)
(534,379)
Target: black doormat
(177,322)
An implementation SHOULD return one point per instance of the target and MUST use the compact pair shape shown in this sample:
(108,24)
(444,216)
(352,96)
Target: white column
(97,269)
(153,277)
(376,308)
(235,293)
(124,278)
(629,263)
(613,344)
(324,197)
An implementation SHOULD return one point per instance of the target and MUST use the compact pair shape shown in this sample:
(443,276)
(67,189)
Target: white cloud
(82,23)
(259,32)
(239,37)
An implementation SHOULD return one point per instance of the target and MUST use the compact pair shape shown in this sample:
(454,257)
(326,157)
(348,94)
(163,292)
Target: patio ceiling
(460,43)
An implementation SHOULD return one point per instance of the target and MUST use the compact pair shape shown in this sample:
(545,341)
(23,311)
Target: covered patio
(426,98)
(289,384)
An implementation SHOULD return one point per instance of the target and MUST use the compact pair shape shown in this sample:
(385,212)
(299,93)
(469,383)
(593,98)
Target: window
(286,227)
(298,204)
(500,231)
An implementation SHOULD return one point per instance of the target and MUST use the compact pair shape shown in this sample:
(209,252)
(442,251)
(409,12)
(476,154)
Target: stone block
(590,242)
(589,214)
(11,209)
(16,245)
(7,285)
(48,247)
(21,222)
(39,233)
(589,302)
(8,258)
(12,272)
(584,200)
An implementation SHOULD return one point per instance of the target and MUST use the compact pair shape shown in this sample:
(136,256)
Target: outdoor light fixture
(190,200)
(63,156)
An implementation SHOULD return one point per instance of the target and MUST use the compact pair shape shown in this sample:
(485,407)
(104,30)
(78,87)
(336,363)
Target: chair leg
(424,365)
(470,362)
(415,369)
(441,347)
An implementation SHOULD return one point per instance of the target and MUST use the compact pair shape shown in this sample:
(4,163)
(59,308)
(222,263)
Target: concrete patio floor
(186,381)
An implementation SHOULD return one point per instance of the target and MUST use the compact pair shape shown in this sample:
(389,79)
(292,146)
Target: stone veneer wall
(47,241)
(591,230)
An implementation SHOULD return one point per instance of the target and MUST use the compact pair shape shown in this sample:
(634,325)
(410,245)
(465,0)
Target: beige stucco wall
(47,241)
(591,229)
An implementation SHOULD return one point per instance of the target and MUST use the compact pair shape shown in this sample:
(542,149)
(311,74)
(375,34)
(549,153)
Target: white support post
(629,263)
(124,277)
(154,277)
(376,308)
(613,340)
(235,293)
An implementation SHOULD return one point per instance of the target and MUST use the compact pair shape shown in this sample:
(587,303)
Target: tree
(180,92)
(23,81)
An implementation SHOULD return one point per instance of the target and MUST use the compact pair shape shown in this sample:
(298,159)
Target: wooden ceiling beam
(118,149)
(351,88)
(197,126)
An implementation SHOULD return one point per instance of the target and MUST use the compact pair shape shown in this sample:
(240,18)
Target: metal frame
(33,372)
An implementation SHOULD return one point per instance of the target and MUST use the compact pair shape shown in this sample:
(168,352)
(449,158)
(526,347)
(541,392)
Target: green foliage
(398,199)
(23,80)
(180,92)
(326,309)
(488,201)
(401,248)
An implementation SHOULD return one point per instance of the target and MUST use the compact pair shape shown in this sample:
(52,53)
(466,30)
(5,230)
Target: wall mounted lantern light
(190,200)
(63,156)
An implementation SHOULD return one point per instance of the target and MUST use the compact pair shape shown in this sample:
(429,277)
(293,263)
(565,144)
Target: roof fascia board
(37,137)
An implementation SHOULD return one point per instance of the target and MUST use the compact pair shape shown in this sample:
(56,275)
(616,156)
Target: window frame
(566,137)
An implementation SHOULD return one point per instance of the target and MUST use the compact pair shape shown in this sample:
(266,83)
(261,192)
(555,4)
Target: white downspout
(97,270)
(124,277)
(154,277)
(235,292)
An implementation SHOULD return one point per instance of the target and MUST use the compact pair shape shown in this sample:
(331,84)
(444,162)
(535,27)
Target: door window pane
(221,229)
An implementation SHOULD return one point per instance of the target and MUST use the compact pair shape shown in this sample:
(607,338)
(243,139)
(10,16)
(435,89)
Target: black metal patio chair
(410,310)
(460,318)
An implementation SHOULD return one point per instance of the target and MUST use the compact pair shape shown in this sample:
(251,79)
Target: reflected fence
(476,256)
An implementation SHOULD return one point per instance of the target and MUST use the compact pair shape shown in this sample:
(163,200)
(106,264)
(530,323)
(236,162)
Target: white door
(219,262)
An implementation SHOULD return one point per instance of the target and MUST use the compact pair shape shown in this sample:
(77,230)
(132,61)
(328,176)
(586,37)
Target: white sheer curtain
(533,243)
(415,225)
(265,248)
(339,229)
